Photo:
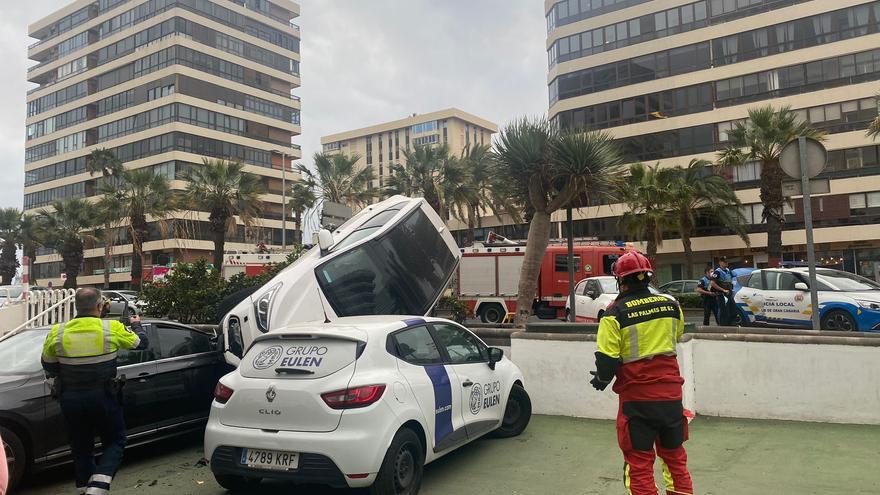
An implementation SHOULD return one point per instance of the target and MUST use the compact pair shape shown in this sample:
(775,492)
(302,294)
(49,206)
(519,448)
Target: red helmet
(631,262)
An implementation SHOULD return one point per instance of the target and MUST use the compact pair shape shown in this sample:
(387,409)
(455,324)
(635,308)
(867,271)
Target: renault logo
(270,393)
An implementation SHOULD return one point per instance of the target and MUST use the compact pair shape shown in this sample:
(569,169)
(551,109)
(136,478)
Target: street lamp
(283,197)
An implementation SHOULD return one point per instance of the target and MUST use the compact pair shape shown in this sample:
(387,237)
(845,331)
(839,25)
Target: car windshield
(846,281)
(609,286)
(20,354)
(397,273)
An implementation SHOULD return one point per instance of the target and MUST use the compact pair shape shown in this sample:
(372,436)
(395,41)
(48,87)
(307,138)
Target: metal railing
(46,307)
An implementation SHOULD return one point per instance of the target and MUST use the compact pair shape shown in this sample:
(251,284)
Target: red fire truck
(488,276)
(248,263)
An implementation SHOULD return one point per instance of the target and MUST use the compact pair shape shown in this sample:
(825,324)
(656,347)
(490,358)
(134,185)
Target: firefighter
(636,343)
(79,356)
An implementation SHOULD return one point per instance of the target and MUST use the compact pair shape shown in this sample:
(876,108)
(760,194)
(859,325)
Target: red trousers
(649,429)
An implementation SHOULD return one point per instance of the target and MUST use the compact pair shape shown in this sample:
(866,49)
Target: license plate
(269,459)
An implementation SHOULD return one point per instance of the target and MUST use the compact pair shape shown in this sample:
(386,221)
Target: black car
(169,389)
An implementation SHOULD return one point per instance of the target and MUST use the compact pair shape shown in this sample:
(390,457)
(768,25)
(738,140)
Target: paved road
(566,456)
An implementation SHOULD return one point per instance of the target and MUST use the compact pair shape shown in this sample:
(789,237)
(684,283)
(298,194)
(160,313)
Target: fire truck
(488,275)
(248,263)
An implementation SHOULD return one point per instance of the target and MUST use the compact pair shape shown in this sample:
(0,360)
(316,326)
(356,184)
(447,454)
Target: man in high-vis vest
(636,340)
(80,355)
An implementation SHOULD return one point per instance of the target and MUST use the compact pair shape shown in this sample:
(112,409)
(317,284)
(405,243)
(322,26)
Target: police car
(363,401)
(847,302)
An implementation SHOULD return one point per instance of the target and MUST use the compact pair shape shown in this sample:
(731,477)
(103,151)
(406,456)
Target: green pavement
(567,456)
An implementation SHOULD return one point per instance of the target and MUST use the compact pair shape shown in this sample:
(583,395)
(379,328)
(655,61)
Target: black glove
(597,382)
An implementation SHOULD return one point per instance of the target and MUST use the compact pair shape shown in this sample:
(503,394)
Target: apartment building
(669,78)
(382,145)
(163,84)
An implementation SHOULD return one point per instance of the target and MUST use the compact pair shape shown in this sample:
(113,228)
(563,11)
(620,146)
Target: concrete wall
(790,377)
(11,316)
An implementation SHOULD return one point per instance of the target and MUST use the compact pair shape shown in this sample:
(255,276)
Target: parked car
(363,401)
(10,293)
(123,303)
(847,302)
(678,288)
(169,390)
(593,296)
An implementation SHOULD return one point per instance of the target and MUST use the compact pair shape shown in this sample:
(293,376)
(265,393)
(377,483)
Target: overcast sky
(363,62)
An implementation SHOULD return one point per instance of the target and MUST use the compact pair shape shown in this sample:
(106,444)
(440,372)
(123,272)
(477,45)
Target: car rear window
(298,357)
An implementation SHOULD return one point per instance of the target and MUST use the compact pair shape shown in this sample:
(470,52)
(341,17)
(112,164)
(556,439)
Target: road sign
(816,158)
(802,159)
(817,186)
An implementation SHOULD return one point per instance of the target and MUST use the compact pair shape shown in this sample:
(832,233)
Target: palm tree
(10,230)
(874,128)
(421,174)
(133,196)
(103,161)
(648,198)
(762,137)
(456,188)
(694,193)
(549,170)
(226,191)
(490,192)
(31,234)
(66,227)
(338,179)
(302,198)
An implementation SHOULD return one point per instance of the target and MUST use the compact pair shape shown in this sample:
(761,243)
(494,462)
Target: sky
(363,62)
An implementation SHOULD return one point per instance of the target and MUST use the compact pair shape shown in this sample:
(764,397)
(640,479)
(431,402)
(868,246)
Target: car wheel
(401,471)
(16,456)
(492,313)
(838,321)
(517,414)
(240,484)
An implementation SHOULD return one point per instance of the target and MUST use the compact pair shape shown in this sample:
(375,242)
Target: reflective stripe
(674,332)
(137,341)
(59,342)
(103,478)
(105,325)
(633,342)
(103,358)
(93,490)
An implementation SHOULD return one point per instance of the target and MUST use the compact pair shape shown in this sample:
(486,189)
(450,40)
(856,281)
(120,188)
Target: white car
(781,296)
(593,295)
(360,402)
(394,257)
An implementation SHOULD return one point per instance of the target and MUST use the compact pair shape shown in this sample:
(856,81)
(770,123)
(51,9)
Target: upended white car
(363,401)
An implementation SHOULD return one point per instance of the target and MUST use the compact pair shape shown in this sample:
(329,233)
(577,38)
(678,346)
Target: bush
(690,301)
(189,293)
(457,307)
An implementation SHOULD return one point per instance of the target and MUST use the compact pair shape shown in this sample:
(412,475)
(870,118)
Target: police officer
(636,342)
(722,285)
(710,302)
(81,357)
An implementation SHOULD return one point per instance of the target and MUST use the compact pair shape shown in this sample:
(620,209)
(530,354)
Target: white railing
(47,307)
(43,308)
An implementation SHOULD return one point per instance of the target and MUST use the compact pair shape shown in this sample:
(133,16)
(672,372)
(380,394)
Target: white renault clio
(362,401)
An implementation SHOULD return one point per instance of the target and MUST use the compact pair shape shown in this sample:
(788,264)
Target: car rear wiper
(293,371)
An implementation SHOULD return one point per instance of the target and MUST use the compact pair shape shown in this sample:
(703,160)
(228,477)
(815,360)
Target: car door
(434,385)
(482,387)
(580,299)
(750,298)
(187,372)
(788,303)
(594,302)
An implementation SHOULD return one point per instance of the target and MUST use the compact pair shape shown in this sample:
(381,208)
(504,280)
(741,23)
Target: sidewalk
(566,456)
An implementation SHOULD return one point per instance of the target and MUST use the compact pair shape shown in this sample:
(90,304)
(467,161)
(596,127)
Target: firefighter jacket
(82,352)
(636,344)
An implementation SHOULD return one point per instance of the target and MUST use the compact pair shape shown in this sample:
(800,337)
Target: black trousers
(710,307)
(89,413)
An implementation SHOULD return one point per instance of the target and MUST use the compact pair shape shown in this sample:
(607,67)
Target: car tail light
(353,398)
(222,393)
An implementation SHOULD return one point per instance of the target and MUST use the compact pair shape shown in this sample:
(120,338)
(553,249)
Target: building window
(331,146)
(369,150)
(397,144)
(424,127)
(425,140)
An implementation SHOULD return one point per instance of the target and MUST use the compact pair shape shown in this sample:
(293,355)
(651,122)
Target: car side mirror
(324,239)
(495,355)
(802,287)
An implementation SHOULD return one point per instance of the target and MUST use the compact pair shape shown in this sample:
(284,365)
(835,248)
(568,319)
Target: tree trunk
(141,233)
(107,246)
(8,262)
(471,231)
(298,236)
(651,235)
(686,231)
(218,235)
(536,246)
(72,258)
(771,196)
